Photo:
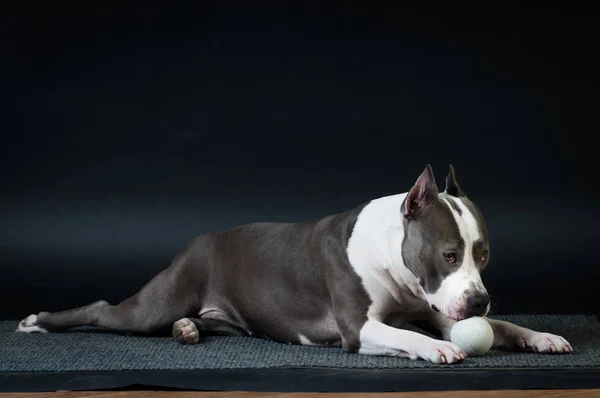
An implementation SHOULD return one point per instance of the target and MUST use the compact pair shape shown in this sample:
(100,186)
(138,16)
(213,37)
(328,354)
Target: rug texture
(92,350)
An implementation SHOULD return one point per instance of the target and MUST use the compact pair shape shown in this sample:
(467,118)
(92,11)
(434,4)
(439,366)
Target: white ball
(474,335)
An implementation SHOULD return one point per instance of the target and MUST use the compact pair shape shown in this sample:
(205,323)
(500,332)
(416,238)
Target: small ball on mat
(474,335)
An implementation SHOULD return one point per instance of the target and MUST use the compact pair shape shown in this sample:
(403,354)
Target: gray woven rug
(93,351)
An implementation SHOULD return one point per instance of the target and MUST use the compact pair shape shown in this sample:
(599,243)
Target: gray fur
(426,239)
(273,280)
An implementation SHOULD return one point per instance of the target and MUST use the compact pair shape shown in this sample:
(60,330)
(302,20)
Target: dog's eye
(484,256)
(450,257)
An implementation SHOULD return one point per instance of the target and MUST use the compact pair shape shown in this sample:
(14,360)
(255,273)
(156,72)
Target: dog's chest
(391,299)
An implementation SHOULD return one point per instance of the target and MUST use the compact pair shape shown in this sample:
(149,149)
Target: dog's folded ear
(452,187)
(421,195)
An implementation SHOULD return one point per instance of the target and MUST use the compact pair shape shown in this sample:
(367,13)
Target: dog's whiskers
(493,306)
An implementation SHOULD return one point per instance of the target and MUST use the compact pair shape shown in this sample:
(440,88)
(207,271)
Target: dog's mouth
(454,318)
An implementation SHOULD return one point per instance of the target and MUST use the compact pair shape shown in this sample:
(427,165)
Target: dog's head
(446,246)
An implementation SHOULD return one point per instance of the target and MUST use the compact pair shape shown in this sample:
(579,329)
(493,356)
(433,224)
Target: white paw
(29,325)
(438,351)
(185,331)
(546,343)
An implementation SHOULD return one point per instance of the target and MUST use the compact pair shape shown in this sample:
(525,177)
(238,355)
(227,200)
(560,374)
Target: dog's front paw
(30,325)
(546,343)
(185,331)
(440,352)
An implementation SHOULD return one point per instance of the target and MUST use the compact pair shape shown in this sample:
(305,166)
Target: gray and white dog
(351,279)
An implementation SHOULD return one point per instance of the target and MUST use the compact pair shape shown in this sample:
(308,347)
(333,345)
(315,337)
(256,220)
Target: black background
(128,131)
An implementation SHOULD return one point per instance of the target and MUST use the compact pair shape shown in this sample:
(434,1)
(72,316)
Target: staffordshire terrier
(352,279)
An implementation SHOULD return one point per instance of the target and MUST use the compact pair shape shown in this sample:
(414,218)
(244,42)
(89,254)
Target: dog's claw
(546,343)
(441,352)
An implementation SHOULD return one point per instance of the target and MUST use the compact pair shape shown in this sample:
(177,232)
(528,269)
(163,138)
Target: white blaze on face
(449,298)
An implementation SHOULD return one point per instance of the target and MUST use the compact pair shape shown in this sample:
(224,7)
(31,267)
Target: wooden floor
(178,394)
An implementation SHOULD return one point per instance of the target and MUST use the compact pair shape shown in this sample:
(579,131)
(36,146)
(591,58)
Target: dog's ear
(422,194)
(452,187)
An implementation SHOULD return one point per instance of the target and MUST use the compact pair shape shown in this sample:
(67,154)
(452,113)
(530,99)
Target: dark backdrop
(128,131)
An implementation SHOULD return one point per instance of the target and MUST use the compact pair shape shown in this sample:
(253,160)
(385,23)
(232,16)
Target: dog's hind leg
(154,308)
(43,322)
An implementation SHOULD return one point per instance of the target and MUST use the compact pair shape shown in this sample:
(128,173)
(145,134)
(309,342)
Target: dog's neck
(375,248)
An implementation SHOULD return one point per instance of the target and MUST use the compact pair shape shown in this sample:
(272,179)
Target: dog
(352,279)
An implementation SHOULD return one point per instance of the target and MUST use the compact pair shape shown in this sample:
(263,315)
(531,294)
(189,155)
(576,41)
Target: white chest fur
(375,253)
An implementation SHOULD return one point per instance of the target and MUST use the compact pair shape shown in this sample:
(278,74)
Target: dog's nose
(478,302)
